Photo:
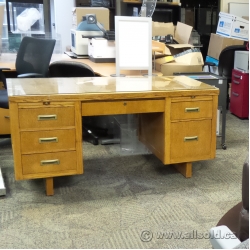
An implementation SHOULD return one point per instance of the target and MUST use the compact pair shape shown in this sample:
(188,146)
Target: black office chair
(78,69)
(226,63)
(70,69)
(32,61)
(33,58)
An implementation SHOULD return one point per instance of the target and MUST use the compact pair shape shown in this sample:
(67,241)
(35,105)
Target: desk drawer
(48,141)
(123,107)
(190,141)
(46,117)
(49,163)
(191,110)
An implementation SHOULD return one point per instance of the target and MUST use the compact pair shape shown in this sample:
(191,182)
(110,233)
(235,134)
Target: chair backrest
(34,55)
(226,60)
(70,69)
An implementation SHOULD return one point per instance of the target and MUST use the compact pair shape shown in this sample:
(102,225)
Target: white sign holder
(133,42)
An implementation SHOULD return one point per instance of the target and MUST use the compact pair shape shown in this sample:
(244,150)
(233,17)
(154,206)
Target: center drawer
(191,110)
(48,141)
(123,107)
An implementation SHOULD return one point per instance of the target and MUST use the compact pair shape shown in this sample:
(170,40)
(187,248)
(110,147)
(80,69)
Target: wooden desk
(101,69)
(177,121)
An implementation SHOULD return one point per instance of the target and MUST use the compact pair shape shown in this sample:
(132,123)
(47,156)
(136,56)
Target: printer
(90,38)
(101,50)
(79,45)
(88,28)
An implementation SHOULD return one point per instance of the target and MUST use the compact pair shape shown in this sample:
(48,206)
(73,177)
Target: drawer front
(190,141)
(46,117)
(123,107)
(240,76)
(49,163)
(48,141)
(236,75)
(191,110)
(239,81)
(237,84)
(239,104)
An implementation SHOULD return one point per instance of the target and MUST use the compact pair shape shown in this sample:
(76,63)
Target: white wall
(224,4)
(63,20)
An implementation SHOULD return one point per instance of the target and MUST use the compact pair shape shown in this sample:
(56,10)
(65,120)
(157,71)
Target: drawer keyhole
(125,104)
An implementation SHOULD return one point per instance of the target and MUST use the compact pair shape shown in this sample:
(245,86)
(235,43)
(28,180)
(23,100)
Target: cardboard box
(187,62)
(169,62)
(181,33)
(102,15)
(170,68)
(217,43)
(232,26)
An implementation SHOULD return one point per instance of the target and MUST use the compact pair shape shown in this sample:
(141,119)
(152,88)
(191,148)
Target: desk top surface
(104,87)
(7,60)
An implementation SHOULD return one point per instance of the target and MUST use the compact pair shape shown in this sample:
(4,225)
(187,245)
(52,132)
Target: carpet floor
(124,201)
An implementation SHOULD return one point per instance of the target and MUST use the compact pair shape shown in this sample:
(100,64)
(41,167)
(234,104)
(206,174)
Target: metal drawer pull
(236,82)
(50,162)
(197,109)
(51,139)
(192,138)
(236,76)
(46,117)
(235,94)
(7,117)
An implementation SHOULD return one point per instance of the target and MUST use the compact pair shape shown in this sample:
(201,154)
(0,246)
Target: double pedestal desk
(177,120)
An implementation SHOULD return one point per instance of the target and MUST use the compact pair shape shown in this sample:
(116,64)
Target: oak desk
(177,120)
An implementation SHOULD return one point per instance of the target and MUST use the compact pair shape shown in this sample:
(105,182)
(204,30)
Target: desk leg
(184,168)
(49,186)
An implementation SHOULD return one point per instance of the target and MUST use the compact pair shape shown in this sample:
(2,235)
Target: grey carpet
(119,199)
